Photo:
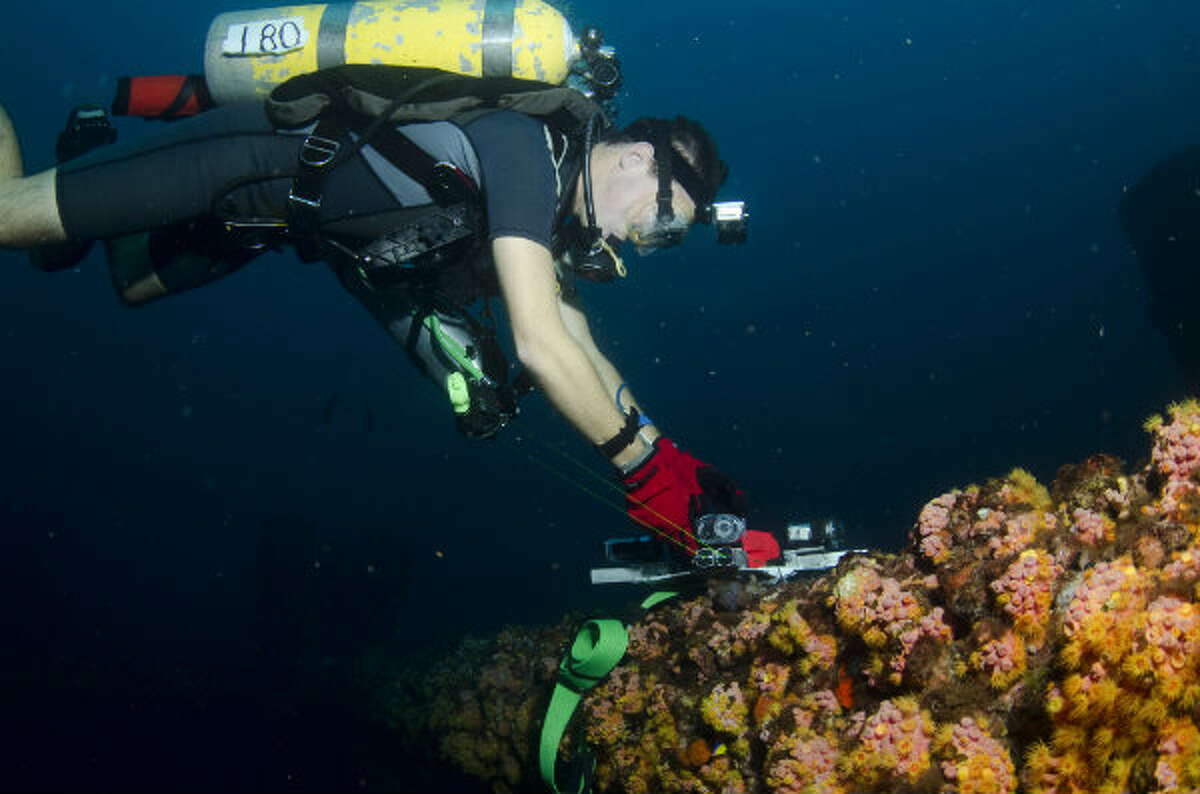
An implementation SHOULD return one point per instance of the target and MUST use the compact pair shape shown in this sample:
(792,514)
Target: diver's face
(627,203)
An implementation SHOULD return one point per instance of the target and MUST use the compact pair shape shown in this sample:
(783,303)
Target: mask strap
(663,151)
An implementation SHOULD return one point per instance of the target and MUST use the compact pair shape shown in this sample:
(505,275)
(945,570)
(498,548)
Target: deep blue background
(936,290)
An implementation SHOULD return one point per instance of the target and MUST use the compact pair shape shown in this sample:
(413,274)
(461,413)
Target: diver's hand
(660,498)
(718,493)
(671,489)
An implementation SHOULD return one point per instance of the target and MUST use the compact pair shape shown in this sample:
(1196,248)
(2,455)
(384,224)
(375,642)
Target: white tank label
(265,37)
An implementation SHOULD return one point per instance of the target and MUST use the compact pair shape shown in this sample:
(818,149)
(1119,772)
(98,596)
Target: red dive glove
(671,488)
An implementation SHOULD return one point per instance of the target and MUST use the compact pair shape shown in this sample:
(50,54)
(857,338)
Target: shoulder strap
(371,99)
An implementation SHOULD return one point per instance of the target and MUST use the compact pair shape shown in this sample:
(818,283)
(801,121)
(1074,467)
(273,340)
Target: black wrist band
(610,448)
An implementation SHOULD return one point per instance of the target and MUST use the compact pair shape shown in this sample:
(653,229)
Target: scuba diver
(1161,217)
(418,220)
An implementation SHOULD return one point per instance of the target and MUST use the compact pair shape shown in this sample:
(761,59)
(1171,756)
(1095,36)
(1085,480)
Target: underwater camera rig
(807,547)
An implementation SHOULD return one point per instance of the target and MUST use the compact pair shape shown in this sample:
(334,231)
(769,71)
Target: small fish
(719,749)
(844,689)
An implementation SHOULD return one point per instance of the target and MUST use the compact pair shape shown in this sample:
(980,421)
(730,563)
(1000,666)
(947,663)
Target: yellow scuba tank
(248,53)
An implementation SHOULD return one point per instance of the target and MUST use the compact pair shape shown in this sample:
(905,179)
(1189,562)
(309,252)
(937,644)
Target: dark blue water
(936,290)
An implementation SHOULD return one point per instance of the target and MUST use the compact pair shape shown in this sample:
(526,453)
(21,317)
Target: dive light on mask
(728,218)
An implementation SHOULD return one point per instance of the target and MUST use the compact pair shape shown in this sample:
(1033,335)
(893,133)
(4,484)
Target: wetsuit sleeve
(520,182)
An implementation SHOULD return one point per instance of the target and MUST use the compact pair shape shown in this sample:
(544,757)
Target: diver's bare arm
(28,205)
(577,326)
(544,346)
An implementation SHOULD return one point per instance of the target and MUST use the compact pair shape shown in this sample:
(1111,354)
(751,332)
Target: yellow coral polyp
(1054,704)
(1137,667)
(976,776)
(724,711)
(1038,758)
(1069,738)
(1102,740)
(875,637)
(1190,699)
(1023,488)
(790,631)
(1072,688)
(1153,712)
(1071,654)
(1072,766)
(1119,770)
(1104,694)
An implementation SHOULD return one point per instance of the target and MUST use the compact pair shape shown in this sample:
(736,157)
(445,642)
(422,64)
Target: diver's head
(652,179)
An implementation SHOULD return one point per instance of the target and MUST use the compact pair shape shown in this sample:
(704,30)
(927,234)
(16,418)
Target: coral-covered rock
(1050,644)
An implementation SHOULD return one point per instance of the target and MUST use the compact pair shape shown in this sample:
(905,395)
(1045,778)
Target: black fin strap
(610,448)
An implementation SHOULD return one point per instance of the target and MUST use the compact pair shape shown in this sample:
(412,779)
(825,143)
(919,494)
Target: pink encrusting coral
(1109,594)
(933,527)
(808,765)
(1184,567)
(1038,639)
(1172,635)
(1178,767)
(1026,592)
(1019,531)
(976,763)
(1002,659)
(1176,454)
(1091,527)
(1176,451)
(887,618)
(725,710)
(894,745)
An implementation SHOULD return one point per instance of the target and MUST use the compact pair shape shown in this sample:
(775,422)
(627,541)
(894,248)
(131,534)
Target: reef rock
(1032,639)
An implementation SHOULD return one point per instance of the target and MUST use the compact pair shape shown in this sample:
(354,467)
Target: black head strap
(666,165)
(674,166)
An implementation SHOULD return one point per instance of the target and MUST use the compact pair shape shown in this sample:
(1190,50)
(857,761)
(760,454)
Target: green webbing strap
(452,348)
(656,598)
(597,649)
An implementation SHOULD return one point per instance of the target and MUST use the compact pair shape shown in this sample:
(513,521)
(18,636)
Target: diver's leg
(28,205)
(10,149)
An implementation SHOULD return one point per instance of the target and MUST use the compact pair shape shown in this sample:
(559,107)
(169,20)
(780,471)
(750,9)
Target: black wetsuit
(230,163)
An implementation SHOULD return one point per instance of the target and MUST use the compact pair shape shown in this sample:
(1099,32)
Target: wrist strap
(644,420)
(624,438)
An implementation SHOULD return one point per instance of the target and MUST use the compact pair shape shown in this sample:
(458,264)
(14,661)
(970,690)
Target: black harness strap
(444,181)
(317,158)
(329,144)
